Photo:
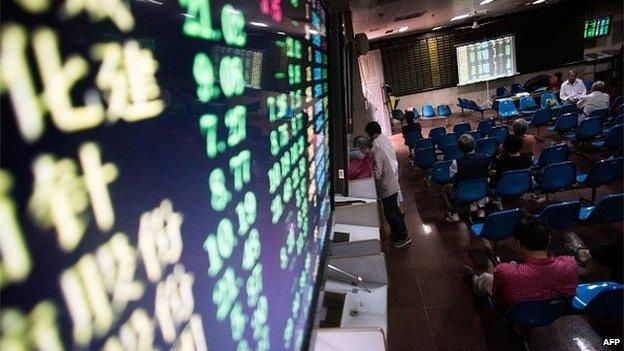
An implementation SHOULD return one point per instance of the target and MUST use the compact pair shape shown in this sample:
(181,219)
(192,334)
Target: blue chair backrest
(440,173)
(412,137)
(471,190)
(605,172)
(475,106)
(444,110)
(499,225)
(536,313)
(501,91)
(415,110)
(567,109)
(561,215)
(487,146)
(589,128)
(398,114)
(604,299)
(423,143)
(452,152)
(436,133)
(557,176)
(500,133)
(514,183)
(608,210)
(540,117)
(446,140)
(465,103)
(461,128)
(545,97)
(553,154)
(566,122)
(600,113)
(425,158)
(615,138)
(527,102)
(507,107)
(618,101)
(516,88)
(588,83)
(619,119)
(476,134)
(428,111)
(486,125)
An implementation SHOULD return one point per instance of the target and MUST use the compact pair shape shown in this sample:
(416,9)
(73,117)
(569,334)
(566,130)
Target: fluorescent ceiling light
(258,24)
(436,28)
(485,2)
(461,17)
(403,29)
(538,2)
(281,33)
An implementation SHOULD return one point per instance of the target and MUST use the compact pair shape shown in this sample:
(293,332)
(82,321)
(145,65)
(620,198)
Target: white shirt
(385,145)
(572,91)
(596,100)
(386,177)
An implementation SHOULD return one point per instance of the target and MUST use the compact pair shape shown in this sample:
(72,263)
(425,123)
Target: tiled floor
(431,308)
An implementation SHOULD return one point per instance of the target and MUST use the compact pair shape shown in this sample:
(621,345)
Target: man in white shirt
(595,100)
(572,89)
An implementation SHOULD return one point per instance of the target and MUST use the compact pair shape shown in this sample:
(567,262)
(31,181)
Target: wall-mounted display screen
(486,60)
(597,27)
(164,174)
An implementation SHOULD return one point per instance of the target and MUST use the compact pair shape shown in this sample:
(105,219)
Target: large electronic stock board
(164,173)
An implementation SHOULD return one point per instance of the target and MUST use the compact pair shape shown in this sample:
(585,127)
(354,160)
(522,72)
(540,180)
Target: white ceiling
(375,17)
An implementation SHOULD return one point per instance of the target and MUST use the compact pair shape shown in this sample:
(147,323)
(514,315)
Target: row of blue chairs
(527,106)
(466,104)
(428,111)
(515,89)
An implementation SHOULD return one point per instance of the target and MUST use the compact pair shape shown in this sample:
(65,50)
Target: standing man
(387,183)
(572,89)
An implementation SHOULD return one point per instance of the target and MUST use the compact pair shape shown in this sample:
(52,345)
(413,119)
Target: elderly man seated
(595,100)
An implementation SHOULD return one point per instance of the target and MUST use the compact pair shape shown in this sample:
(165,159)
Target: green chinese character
(275,177)
(198,21)
(277,208)
(288,333)
(237,322)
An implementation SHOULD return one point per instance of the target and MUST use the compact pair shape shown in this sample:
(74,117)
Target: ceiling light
(403,29)
(281,33)
(461,17)
(538,2)
(485,2)
(258,24)
(436,28)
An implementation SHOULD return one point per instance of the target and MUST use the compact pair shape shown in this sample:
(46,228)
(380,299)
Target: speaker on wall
(361,43)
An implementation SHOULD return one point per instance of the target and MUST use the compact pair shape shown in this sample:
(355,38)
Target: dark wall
(546,38)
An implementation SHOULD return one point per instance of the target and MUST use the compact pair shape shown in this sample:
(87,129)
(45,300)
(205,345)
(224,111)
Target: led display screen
(163,173)
(486,60)
(597,27)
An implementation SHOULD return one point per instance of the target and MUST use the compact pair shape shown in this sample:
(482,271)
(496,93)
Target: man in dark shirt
(411,128)
(472,165)
(511,160)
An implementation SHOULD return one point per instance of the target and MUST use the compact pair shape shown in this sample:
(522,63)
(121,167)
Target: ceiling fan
(475,25)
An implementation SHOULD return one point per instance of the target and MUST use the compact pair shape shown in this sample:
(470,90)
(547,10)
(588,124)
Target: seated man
(537,277)
(360,160)
(520,127)
(511,159)
(410,127)
(472,165)
(595,100)
(572,89)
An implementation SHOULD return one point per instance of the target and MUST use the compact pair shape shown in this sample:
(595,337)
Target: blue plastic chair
(398,115)
(564,123)
(461,128)
(436,133)
(549,95)
(536,313)
(603,172)
(412,137)
(447,140)
(613,140)
(475,107)
(603,114)
(415,111)
(603,299)
(552,154)
(463,104)
(444,111)
(487,146)
(440,173)
(500,133)
(540,118)
(557,176)
(475,134)
(423,143)
(567,109)
(516,88)
(507,109)
(497,226)
(528,105)
(425,158)
(502,92)
(451,152)
(485,125)
(513,184)
(561,215)
(608,210)
(428,111)
(588,129)
(471,190)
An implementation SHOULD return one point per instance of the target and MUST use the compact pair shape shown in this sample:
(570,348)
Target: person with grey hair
(520,127)
(472,165)
(360,160)
(572,89)
(595,100)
